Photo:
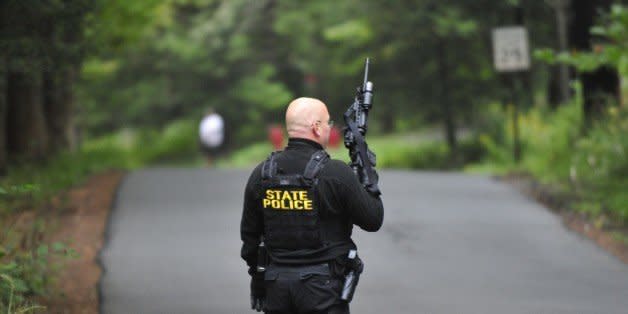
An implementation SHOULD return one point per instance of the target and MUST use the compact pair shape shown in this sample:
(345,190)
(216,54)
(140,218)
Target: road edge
(559,203)
(105,239)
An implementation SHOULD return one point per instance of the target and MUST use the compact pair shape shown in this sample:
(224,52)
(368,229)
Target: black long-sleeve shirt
(341,198)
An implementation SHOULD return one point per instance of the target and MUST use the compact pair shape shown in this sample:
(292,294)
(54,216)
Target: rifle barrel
(366,73)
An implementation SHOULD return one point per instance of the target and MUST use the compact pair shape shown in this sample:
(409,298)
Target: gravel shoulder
(80,224)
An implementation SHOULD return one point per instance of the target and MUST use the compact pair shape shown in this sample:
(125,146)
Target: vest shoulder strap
(315,165)
(269,167)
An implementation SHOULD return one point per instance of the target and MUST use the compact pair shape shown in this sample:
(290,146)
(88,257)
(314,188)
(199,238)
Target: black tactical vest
(290,205)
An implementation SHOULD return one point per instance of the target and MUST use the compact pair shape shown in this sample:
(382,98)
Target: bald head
(307,118)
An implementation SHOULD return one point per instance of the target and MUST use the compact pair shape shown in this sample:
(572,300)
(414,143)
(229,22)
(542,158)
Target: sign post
(511,55)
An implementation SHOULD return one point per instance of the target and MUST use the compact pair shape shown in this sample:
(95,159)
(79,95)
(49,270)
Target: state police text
(287,200)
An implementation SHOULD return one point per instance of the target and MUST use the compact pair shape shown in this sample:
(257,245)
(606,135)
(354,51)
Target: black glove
(258,292)
(373,176)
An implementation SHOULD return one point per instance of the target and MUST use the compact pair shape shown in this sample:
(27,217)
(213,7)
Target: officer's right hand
(373,187)
(258,292)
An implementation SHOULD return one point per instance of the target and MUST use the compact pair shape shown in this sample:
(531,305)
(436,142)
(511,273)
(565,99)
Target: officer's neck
(294,142)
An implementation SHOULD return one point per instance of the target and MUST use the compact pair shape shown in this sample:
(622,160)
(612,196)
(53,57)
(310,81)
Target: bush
(25,273)
(557,151)
(599,168)
(433,155)
(430,155)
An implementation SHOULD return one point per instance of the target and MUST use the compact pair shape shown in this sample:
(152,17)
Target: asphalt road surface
(451,243)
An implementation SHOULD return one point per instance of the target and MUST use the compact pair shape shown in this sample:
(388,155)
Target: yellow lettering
(294,195)
(269,194)
(287,200)
(285,195)
(307,205)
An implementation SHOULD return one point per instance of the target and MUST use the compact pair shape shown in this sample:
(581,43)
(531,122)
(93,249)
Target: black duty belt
(295,272)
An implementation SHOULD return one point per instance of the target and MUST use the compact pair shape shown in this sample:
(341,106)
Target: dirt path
(81,225)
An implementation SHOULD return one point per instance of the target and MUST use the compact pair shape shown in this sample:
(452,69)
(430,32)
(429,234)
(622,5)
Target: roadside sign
(510,49)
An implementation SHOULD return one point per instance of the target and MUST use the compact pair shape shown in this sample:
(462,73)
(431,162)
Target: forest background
(90,85)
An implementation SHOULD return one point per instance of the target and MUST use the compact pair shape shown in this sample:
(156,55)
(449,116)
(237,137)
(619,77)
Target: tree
(602,83)
(42,48)
(3,114)
(248,58)
(64,34)
(26,128)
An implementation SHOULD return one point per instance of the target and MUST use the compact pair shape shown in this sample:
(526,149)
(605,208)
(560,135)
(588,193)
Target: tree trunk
(26,122)
(448,114)
(558,87)
(600,85)
(58,106)
(554,89)
(3,116)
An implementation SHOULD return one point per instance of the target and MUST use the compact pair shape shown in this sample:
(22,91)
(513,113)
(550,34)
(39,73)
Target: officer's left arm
(252,224)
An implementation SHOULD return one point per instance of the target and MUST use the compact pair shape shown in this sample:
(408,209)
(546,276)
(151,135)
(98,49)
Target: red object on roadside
(275,135)
(334,137)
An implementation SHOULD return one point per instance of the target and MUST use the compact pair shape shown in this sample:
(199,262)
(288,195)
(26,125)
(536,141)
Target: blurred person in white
(211,132)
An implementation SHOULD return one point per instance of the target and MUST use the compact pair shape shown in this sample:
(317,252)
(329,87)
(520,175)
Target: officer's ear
(316,128)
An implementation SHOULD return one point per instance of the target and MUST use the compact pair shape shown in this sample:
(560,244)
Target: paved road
(450,243)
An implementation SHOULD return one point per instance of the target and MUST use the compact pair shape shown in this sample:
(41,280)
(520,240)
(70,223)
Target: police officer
(303,206)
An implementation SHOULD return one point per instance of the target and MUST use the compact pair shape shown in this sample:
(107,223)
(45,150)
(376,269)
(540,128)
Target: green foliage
(356,31)
(260,91)
(26,272)
(609,49)
(38,35)
(548,138)
(183,57)
(247,157)
(594,165)
(452,22)
(132,148)
(114,24)
(247,59)
(429,155)
(426,156)
(599,166)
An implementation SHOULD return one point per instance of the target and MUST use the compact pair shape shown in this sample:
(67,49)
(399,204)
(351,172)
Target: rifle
(362,158)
